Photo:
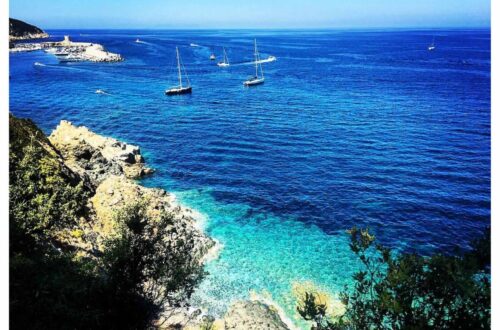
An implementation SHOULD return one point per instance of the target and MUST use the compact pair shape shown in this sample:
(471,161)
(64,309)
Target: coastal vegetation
(409,291)
(59,277)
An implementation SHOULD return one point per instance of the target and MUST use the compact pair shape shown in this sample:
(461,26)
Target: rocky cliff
(104,168)
(109,166)
(19,30)
(96,157)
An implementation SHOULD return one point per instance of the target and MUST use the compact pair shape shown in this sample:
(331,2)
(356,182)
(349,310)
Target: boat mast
(226,60)
(179,66)
(256,59)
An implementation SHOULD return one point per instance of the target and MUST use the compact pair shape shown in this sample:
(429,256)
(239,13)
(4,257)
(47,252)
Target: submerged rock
(242,315)
(335,307)
(252,315)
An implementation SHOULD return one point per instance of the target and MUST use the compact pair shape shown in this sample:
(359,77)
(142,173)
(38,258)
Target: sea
(362,128)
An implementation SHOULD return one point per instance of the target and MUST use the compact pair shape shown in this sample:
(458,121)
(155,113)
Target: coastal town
(70,51)
(65,50)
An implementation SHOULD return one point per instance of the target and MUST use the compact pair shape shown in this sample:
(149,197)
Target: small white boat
(102,92)
(256,80)
(212,57)
(194,45)
(178,90)
(61,53)
(51,50)
(225,62)
(137,40)
(432,46)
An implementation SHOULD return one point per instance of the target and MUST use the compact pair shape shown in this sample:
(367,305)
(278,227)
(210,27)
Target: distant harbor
(70,51)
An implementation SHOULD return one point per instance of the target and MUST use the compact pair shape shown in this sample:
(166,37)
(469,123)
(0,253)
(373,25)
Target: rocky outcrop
(19,30)
(95,156)
(116,192)
(107,167)
(242,315)
(252,315)
(110,164)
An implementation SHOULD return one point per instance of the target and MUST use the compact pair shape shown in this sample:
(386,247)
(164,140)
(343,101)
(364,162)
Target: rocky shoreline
(109,166)
(29,36)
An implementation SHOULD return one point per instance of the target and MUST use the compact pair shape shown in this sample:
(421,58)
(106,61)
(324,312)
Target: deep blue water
(350,127)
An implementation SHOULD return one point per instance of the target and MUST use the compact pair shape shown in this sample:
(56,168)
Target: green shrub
(149,264)
(408,291)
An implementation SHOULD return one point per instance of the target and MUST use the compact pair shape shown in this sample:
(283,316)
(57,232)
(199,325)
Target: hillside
(19,30)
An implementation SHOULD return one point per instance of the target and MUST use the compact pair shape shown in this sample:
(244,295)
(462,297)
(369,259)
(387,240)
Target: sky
(158,14)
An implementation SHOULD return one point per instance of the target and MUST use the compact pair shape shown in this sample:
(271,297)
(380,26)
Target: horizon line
(282,28)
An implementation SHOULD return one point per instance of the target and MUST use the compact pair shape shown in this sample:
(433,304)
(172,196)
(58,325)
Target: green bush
(143,270)
(408,291)
(150,261)
(41,200)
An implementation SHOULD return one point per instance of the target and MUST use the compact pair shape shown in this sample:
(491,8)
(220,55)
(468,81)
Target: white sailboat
(225,61)
(180,89)
(256,80)
(432,46)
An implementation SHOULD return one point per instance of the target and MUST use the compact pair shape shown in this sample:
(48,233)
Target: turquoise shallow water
(350,127)
(266,255)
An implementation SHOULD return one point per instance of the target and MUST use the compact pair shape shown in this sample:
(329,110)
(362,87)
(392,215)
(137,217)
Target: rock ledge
(96,156)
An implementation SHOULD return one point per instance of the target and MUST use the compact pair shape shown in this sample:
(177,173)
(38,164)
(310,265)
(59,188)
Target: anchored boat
(225,62)
(180,89)
(256,80)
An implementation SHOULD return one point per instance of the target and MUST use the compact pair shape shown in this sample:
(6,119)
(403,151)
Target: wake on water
(266,60)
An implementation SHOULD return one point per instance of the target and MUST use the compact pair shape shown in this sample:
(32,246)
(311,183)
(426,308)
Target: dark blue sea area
(351,127)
